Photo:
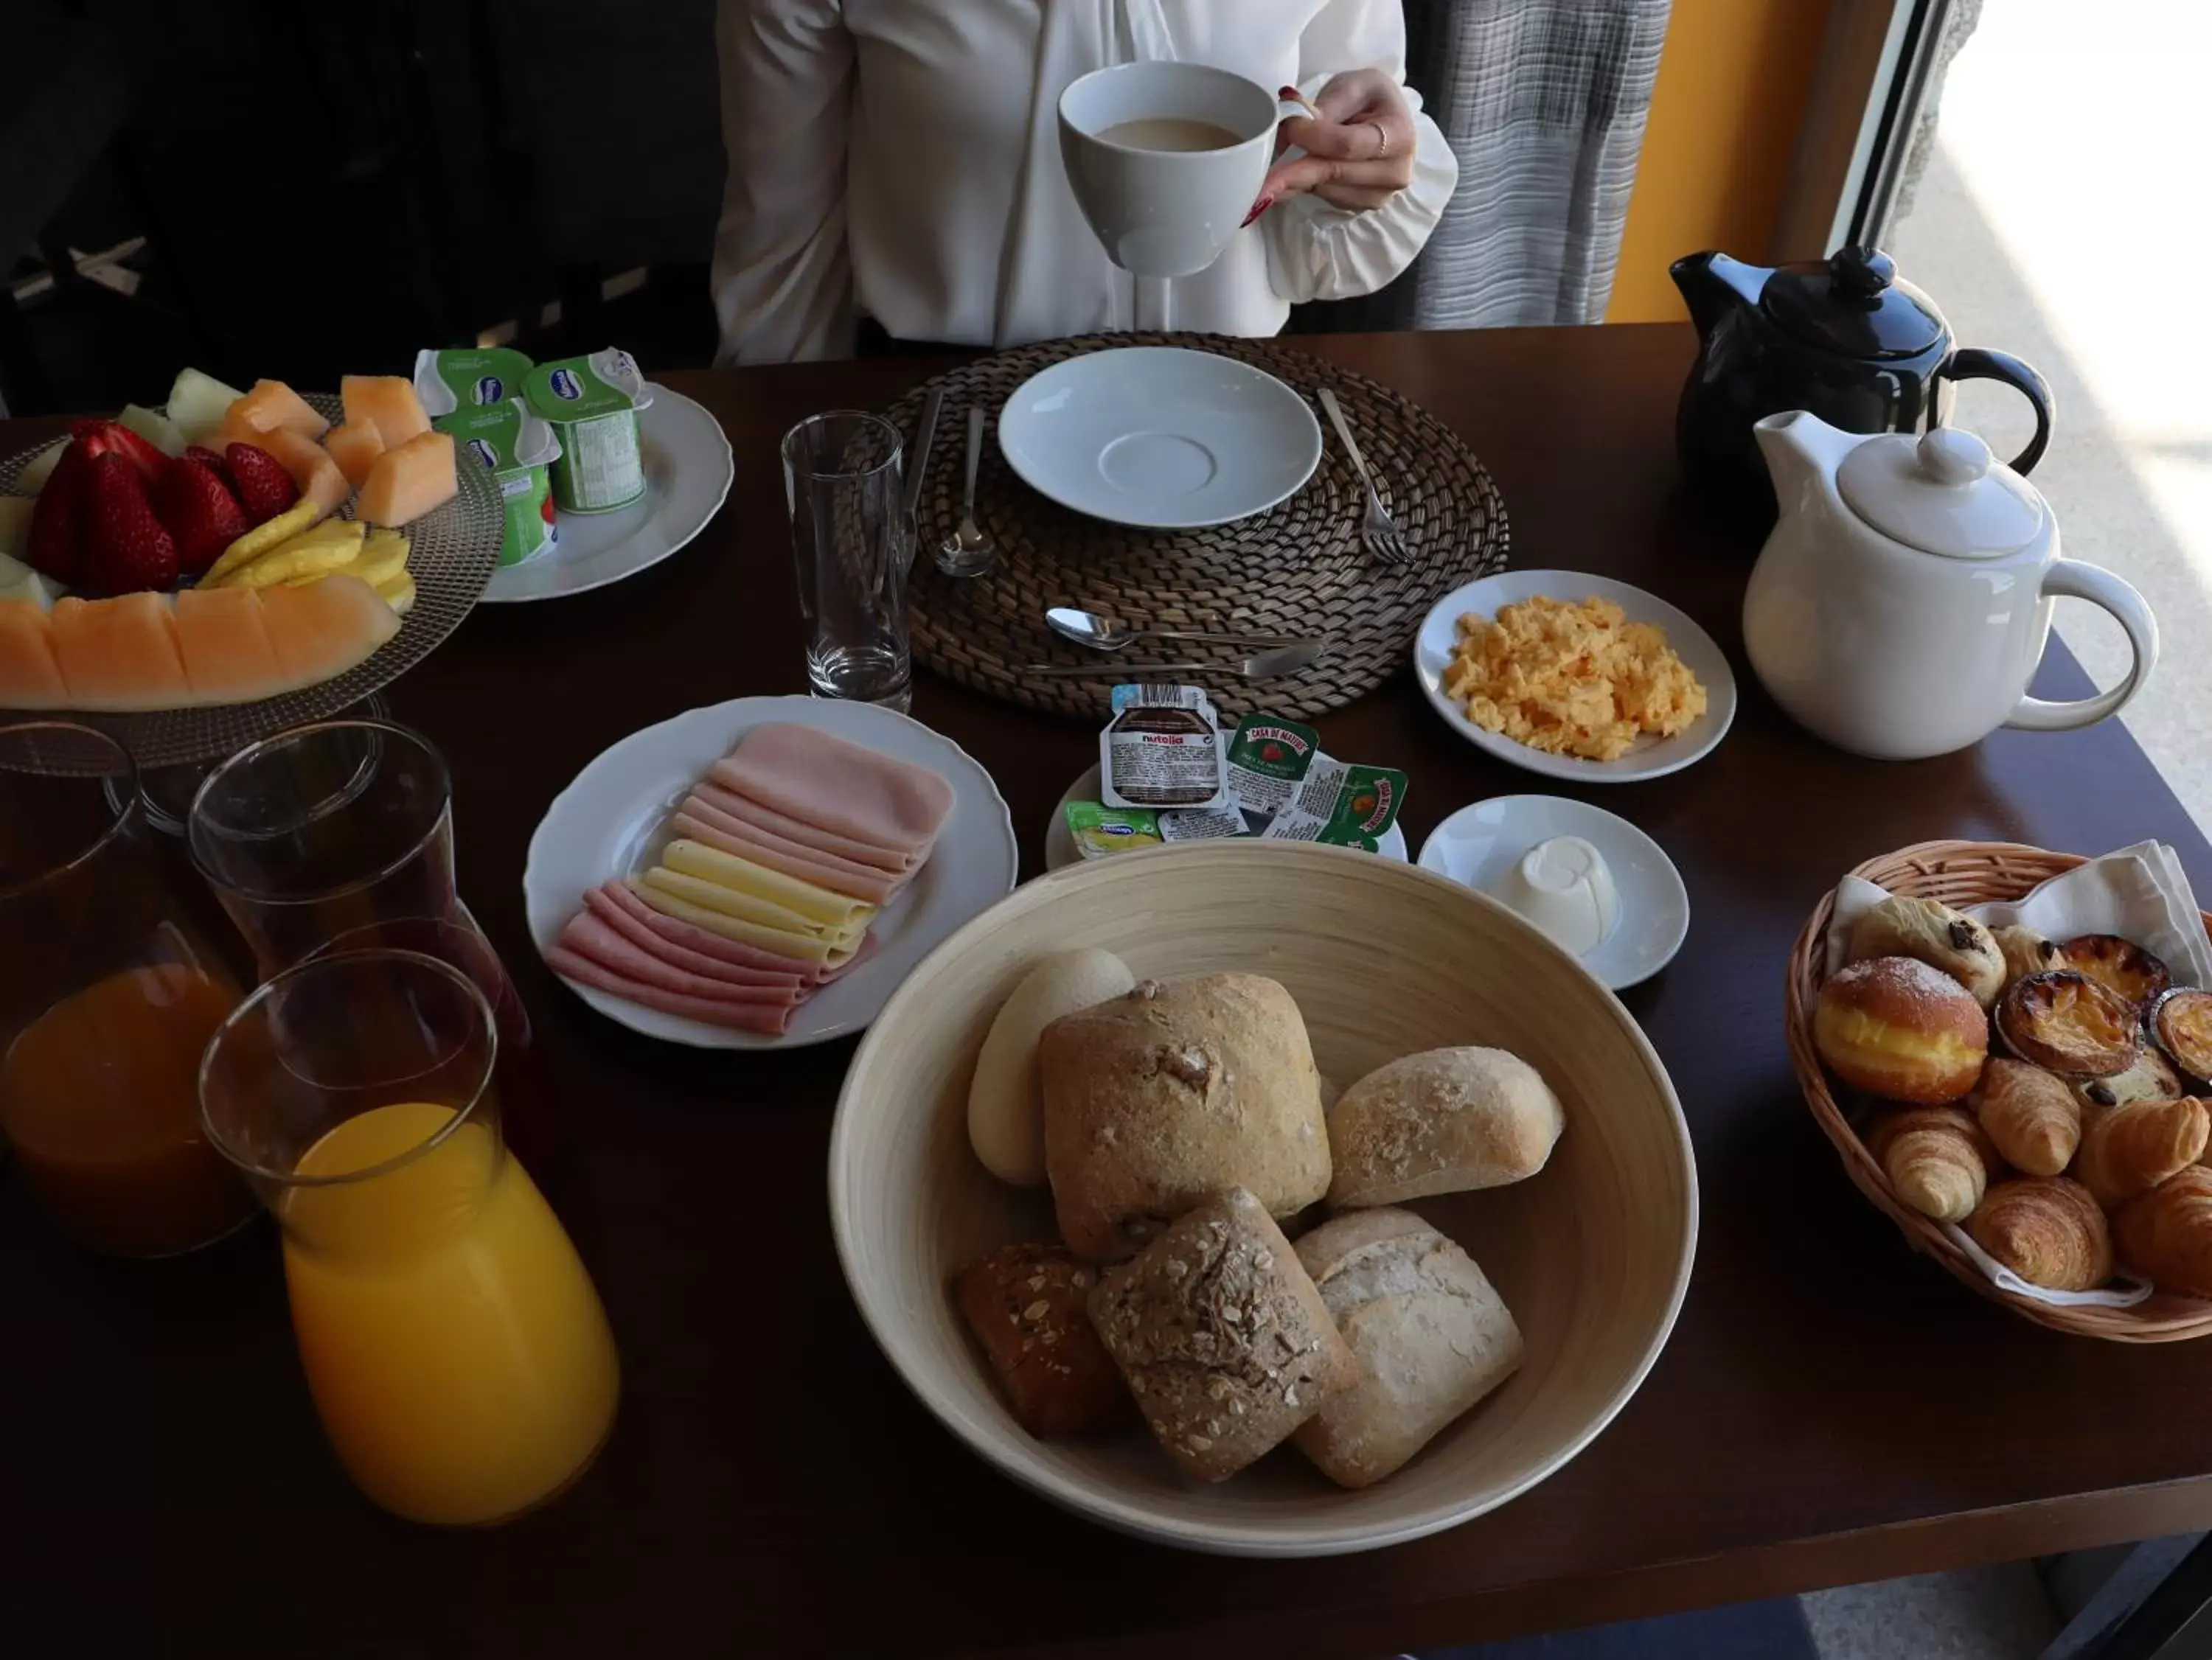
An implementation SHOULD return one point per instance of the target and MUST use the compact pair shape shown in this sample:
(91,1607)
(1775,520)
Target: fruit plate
(453,551)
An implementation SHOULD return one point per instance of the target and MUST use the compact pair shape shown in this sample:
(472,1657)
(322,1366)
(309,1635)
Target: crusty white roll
(1006,1105)
(1431,1334)
(1443,1121)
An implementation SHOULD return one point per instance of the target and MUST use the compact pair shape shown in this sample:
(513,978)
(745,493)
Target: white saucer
(687,469)
(1477,845)
(1059,850)
(607,823)
(1160,437)
(1649,757)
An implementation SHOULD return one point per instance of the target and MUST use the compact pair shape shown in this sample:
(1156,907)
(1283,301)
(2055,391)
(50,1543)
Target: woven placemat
(1297,569)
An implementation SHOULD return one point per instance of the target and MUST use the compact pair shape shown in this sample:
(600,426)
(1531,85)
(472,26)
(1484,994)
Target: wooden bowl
(1592,1255)
(1959,874)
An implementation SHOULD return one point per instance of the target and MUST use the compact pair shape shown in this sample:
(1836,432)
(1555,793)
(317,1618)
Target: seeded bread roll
(1030,1307)
(1177,1091)
(1440,1122)
(1221,1336)
(1431,1336)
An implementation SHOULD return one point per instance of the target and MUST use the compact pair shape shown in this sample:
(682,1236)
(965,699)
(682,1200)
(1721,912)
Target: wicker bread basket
(1961,873)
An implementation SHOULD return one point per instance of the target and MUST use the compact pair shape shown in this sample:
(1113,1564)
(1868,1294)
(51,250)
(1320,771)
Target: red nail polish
(1290,93)
(1258,208)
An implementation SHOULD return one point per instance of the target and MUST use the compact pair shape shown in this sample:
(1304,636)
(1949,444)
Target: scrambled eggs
(1572,679)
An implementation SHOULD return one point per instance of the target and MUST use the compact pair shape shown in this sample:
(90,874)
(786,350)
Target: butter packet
(1268,759)
(1099,831)
(1164,750)
(1342,805)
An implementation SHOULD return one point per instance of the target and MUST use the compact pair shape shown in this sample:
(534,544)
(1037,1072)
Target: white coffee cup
(1167,212)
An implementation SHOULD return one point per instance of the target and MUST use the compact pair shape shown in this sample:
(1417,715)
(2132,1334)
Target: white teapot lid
(1942,493)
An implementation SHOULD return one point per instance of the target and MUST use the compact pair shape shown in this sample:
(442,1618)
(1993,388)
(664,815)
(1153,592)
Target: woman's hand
(1359,144)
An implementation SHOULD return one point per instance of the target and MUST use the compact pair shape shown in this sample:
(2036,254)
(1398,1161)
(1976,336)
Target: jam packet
(1341,804)
(1268,759)
(1163,750)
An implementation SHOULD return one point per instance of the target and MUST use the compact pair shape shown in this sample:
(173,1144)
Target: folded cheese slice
(703,821)
(613,897)
(806,947)
(817,905)
(761,913)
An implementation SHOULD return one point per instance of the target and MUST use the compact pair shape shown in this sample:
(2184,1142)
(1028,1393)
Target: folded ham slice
(770,1019)
(598,905)
(704,822)
(897,862)
(844,788)
(716,945)
(588,936)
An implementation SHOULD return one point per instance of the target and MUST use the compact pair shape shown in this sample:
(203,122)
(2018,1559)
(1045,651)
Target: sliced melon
(326,627)
(224,641)
(30,677)
(40,468)
(311,469)
(408,481)
(355,447)
(272,405)
(157,429)
(16,524)
(198,403)
(387,401)
(119,653)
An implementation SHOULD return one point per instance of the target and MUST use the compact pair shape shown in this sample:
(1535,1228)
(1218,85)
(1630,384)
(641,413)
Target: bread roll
(2165,1234)
(1006,1105)
(2029,1115)
(1898,1028)
(2151,1078)
(1177,1091)
(1221,1336)
(1431,1334)
(2047,1230)
(1440,1122)
(1935,1158)
(1030,1307)
(2127,1150)
(2025,952)
(1932,932)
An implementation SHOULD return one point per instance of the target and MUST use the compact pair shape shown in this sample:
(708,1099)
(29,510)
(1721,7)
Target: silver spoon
(968,552)
(1264,665)
(1104,635)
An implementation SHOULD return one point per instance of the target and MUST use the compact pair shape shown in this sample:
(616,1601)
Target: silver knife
(925,435)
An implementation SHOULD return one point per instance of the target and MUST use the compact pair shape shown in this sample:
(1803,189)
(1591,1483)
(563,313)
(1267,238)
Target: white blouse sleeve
(783,278)
(1317,251)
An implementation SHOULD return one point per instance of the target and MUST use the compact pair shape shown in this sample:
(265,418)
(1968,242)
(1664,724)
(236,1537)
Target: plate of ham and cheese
(764,873)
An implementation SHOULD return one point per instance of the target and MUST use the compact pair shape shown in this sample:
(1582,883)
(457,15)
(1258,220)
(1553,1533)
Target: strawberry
(264,489)
(126,547)
(208,459)
(198,509)
(57,541)
(102,438)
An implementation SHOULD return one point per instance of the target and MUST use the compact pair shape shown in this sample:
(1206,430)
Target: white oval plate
(1478,846)
(1059,850)
(1160,437)
(687,469)
(607,823)
(1650,757)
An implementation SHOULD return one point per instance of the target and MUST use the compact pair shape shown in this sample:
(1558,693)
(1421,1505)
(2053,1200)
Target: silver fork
(1378,532)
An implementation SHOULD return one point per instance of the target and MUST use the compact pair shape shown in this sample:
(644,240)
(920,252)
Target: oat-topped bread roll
(1431,1334)
(1181,1089)
(1221,1336)
(1933,933)
(1440,1122)
(1030,1307)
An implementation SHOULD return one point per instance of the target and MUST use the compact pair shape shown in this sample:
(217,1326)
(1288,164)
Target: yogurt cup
(591,404)
(468,377)
(519,449)
(1564,887)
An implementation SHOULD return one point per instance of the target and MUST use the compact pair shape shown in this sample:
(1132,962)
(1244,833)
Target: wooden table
(1830,1409)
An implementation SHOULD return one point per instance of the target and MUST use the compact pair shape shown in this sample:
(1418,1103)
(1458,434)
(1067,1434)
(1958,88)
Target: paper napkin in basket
(2139,893)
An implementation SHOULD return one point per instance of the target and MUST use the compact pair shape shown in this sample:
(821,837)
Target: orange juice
(454,1345)
(98,1094)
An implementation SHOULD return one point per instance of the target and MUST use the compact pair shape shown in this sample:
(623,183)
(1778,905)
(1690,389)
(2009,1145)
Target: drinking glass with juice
(454,1345)
(107,997)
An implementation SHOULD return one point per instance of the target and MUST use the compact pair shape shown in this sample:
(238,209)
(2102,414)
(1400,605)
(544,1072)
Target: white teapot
(1901,603)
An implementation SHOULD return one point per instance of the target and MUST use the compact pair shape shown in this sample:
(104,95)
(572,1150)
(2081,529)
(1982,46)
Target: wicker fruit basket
(1961,873)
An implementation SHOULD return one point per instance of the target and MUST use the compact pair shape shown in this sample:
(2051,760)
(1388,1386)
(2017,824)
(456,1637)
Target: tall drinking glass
(106,998)
(853,546)
(343,831)
(454,1345)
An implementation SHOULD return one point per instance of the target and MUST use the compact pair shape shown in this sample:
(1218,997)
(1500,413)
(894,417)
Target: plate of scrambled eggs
(1575,677)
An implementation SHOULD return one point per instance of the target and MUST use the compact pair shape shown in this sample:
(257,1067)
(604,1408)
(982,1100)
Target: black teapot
(1844,337)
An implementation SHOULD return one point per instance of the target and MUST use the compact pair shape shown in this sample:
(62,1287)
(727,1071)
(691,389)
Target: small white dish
(1159,437)
(608,824)
(1649,757)
(1479,846)
(687,469)
(1060,848)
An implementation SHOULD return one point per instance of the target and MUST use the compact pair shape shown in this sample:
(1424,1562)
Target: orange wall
(1733,79)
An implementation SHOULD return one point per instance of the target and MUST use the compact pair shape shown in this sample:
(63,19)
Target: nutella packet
(1268,759)
(1163,751)
(1341,804)
(1099,831)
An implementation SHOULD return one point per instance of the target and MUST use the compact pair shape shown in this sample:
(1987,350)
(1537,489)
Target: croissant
(2047,1230)
(2029,1116)
(2131,1148)
(2165,1235)
(1935,1157)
